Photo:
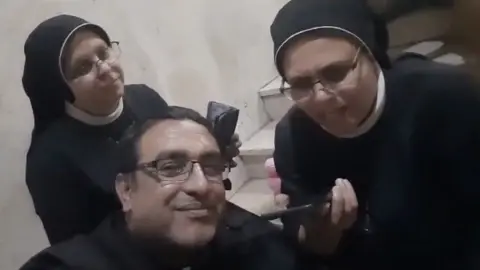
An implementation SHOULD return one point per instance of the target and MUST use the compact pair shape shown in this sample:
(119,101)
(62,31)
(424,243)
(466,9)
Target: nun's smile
(335,80)
(94,73)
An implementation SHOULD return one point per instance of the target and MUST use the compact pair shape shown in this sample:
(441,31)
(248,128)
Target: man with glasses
(81,107)
(174,213)
(388,156)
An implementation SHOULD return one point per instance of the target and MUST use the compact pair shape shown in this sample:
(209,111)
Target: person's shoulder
(293,120)
(55,135)
(47,150)
(429,76)
(295,128)
(426,85)
(144,100)
(44,261)
(140,89)
(141,93)
(50,149)
(293,114)
(80,252)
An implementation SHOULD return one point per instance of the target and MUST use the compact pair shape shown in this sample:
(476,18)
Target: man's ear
(124,187)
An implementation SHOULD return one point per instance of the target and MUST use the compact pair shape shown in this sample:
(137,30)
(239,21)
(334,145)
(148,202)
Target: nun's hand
(233,149)
(324,231)
(281,200)
(343,206)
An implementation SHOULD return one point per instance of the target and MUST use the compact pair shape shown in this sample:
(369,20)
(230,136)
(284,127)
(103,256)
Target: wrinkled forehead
(173,138)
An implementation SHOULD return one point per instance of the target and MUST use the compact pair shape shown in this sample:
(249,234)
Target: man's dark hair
(128,150)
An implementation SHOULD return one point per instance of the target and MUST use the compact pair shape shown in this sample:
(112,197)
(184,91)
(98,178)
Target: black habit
(416,173)
(243,242)
(71,167)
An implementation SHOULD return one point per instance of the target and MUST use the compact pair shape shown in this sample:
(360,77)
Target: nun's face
(93,72)
(332,81)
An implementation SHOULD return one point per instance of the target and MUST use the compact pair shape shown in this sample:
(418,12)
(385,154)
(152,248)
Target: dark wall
(392,9)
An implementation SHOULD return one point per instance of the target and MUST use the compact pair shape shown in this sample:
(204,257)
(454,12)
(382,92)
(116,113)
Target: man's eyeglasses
(331,78)
(171,171)
(107,55)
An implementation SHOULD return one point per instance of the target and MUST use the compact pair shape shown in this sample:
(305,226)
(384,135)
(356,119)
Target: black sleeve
(45,261)
(294,185)
(257,244)
(60,201)
(459,147)
(152,94)
(285,167)
(285,164)
(273,252)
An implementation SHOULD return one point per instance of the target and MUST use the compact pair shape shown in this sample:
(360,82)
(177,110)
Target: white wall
(190,51)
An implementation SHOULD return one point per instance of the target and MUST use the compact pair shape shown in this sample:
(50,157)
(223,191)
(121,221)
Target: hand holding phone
(323,231)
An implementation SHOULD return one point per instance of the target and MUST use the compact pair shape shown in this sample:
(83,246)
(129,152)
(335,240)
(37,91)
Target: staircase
(254,193)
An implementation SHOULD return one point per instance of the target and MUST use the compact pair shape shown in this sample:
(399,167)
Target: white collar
(93,120)
(376,113)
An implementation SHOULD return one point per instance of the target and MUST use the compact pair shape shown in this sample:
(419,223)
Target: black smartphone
(315,202)
(224,119)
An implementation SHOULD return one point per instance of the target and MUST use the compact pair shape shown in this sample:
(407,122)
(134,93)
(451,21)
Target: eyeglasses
(177,171)
(331,78)
(107,55)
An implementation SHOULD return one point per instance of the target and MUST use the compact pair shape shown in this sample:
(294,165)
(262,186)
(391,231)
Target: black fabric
(415,173)
(243,241)
(394,9)
(70,172)
(42,80)
(382,40)
(297,17)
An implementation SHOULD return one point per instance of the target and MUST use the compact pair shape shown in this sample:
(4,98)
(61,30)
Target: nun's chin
(119,88)
(334,117)
(337,124)
(118,83)
(114,92)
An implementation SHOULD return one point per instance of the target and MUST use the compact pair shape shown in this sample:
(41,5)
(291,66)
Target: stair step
(261,143)
(257,150)
(255,196)
(271,88)
(276,104)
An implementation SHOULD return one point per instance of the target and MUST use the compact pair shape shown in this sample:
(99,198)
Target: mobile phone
(315,202)
(224,119)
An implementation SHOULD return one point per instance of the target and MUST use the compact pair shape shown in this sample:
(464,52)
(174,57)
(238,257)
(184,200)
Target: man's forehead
(177,136)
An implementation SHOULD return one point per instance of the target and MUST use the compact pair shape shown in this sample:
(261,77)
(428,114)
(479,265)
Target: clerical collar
(93,120)
(377,110)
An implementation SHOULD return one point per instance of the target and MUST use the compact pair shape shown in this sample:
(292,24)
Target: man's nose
(197,183)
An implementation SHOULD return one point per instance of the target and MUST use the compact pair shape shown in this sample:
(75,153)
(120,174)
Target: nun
(388,156)
(174,212)
(81,108)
